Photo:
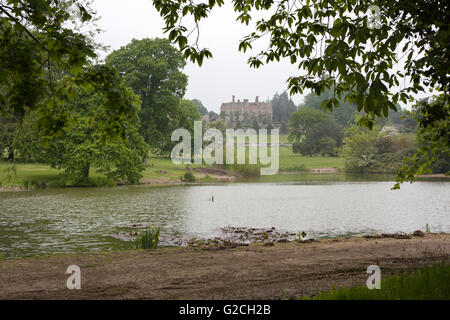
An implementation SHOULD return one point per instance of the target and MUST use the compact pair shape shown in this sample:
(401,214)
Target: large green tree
(43,54)
(313,132)
(336,45)
(84,145)
(433,118)
(152,68)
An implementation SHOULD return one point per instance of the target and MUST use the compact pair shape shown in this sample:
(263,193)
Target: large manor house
(246,112)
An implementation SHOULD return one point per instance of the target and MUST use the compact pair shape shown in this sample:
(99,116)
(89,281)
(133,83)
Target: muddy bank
(284,270)
(216,173)
(227,237)
(435,176)
(324,170)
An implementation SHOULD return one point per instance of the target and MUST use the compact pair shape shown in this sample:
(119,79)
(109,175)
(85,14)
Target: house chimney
(257,99)
(232,99)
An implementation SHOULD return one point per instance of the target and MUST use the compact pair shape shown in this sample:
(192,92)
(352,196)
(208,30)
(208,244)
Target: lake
(90,219)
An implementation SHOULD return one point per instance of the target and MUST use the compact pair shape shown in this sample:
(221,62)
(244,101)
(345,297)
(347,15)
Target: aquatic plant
(301,235)
(148,239)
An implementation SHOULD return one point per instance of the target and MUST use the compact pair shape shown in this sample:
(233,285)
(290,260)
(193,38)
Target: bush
(373,151)
(189,177)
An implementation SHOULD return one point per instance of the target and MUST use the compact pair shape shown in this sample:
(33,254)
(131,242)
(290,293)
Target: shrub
(189,177)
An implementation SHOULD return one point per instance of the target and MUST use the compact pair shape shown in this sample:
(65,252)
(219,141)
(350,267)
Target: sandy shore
(285,270)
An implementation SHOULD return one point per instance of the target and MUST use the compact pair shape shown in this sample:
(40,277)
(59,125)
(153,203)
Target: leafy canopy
(152,68)
(313,131)
(43,54)
(85,144)
(433,117)
(366,66)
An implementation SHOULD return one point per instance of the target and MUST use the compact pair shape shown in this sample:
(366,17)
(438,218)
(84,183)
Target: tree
(218,124)
(402,119)
(8,126)
(200,106)
(152,68)
(213,116)
(282,107)
(344,113)
(255,125)
(335,45)
(284,128)
(433,117)
(308,127)
(185,117)
(33,37)
(327,146)
(84,144)
(43,54)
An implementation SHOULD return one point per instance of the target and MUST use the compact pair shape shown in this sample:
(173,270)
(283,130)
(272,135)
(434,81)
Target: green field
(164,168)
(158,168)
(19,175)
(290,161)
(23,172)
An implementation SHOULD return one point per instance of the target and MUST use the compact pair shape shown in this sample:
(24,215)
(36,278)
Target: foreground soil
(284,270)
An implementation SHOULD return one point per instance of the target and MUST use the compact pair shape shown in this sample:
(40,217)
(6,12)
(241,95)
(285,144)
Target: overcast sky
(219,78)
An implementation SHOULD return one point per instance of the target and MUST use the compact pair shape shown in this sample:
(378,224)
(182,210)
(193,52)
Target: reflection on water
(72,220)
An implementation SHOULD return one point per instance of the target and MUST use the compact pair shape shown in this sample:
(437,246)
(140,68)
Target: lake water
(89,219)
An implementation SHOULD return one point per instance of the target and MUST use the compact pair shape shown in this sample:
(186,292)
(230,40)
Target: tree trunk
(11,154)
(86,171)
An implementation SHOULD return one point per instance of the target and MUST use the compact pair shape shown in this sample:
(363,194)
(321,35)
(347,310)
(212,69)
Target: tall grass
(426,283)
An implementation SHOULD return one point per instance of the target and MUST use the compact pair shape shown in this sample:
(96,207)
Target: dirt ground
(285,270)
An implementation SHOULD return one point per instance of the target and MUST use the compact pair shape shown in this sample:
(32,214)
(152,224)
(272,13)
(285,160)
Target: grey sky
(219,78)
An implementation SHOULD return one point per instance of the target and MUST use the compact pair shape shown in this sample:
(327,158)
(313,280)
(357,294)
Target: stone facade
(246,112)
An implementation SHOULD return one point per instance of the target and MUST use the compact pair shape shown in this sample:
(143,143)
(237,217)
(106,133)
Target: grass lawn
(157,168)
(426,283)
(24,172)
(33,173)
(161,167)
(284,138)
(290,161)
